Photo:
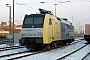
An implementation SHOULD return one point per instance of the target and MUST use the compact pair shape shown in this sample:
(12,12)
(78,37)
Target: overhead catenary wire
(82,11)
(26,4)
(6,18)
(19,3)
(23,13)
(19,10)
(67,10)
(31,7)
(46,2)
(78,13)
(75,9)
(63,6)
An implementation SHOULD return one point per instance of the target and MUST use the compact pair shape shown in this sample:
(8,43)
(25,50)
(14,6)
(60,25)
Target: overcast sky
(78,9)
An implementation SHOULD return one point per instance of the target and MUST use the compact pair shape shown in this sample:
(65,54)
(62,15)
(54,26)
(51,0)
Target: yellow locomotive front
(32,30)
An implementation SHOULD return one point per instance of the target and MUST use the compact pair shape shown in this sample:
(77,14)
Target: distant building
(4,28)
(0,25)
(3,24)
(19,27)
(3,32)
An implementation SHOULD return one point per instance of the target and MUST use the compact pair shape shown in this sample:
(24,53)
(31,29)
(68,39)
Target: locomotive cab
(32,30)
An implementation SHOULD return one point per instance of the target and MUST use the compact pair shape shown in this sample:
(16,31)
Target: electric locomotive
(45,30)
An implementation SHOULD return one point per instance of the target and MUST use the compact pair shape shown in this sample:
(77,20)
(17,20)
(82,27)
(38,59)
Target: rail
(71,52)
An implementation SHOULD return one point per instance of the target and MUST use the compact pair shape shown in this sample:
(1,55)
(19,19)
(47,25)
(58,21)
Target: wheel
(22,44)
(48,46)
(54,44)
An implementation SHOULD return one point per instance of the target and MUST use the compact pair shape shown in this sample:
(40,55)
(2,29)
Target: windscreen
(28,20)
(38,20)
(33,20)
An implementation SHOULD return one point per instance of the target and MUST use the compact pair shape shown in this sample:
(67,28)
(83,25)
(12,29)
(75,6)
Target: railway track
(63,57)
(25,53)
(10,48)
(85,56)
(13,54)
(31,53)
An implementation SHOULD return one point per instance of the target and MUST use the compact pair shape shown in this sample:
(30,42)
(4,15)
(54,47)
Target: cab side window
(50,21)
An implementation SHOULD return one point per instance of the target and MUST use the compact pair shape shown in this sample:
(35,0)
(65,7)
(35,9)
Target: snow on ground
(50,55)
(53,54)
(88,57)
(4,45)
(79,54)
(82,42)
(12,51)
(7,45)
(6,58)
